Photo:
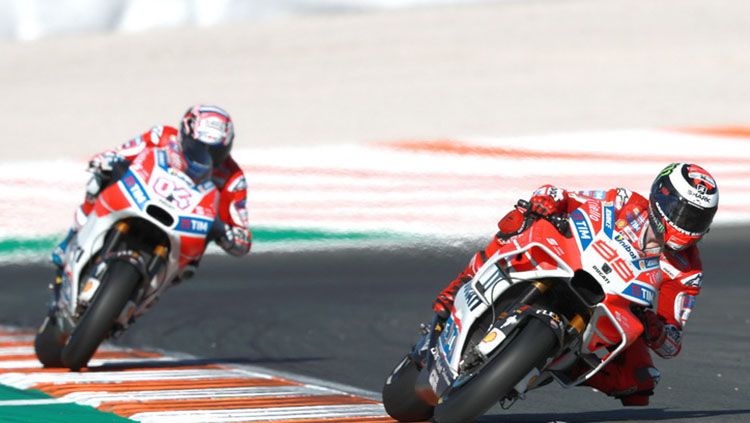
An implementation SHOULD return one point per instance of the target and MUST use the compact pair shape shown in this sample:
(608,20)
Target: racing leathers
(230,230)
(631,376)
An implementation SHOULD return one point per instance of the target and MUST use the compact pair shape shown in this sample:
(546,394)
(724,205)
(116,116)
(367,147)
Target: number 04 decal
(167,189)
(618,263)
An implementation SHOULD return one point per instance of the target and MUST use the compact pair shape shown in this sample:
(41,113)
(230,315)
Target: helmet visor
(687,218)
(198,159)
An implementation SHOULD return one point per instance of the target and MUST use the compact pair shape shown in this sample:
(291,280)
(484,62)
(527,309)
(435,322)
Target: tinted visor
(198,159)
(685,216)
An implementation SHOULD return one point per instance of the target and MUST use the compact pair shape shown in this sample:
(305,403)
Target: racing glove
(103,167)
(235,240)
(653,329)
(105,163)
(548,200)
(543,205)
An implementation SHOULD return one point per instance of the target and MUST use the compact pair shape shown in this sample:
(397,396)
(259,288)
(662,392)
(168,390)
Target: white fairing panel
(165,187)
(475,297)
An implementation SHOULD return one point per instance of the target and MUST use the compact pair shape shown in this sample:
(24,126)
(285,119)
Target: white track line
(260,414)
(31,402)
(120,362)
(27,380)
(94,399)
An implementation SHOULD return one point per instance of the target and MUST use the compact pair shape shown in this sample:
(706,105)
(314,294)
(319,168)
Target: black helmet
(683,202)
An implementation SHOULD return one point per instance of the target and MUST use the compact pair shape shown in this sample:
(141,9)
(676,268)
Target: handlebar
(559,221)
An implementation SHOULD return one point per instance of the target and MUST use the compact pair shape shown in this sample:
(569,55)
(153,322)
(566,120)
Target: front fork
(567,328)
(575,323)
(429,335)
(158,259)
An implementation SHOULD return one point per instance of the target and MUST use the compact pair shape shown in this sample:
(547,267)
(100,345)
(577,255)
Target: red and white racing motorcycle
(558,302)
(145,232)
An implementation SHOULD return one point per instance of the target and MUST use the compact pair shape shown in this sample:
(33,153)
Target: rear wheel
(399,396)
(528,349)
(49,342)
(118,284)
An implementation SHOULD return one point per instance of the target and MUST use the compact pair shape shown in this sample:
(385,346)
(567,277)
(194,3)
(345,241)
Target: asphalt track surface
(347,316)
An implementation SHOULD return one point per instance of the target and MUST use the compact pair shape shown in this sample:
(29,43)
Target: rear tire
(527,350)
(49,343)
(118,285)
(399,396)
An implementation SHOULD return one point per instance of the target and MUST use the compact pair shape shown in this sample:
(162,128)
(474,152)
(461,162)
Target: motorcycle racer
(678,213)
(201,148)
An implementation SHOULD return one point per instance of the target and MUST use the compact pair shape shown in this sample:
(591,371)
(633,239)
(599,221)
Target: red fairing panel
(111,200)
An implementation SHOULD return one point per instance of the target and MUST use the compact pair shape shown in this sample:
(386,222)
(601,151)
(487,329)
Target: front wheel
(49,342)
(527,350)
(97,321)
(400,396)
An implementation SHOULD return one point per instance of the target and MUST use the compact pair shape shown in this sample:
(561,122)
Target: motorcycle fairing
(531,255)
(148,181)
(542,252)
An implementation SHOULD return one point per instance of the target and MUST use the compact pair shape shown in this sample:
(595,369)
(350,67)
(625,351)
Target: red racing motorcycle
(558,302)
(146,231)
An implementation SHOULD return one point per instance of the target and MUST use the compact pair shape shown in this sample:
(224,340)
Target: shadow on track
(615,415)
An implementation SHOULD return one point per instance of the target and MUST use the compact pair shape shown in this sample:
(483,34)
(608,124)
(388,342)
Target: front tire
(49,342)
(400,397)
(535,342)
(97,321)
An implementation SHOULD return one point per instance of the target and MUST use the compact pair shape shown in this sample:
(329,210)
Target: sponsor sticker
(641,292)
(609,220)
(646,263)
(194,225)
(626,246)
(135,189)
(582,227)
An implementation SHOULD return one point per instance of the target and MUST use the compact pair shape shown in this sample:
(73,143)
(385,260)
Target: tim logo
(135,190)
(638,291)
(194,225)
(582,228)
(199,225)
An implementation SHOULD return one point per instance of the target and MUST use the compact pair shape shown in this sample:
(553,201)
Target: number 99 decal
(618,263)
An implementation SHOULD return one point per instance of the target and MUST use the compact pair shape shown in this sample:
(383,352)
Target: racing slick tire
(49,342)
(399,396)
(528,349)
(97,321)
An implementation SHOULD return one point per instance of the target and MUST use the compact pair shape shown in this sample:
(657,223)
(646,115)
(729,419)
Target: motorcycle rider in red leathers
(682,203)
(202,127)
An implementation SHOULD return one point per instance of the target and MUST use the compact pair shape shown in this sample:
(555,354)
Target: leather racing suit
(631,376)
(235,237)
